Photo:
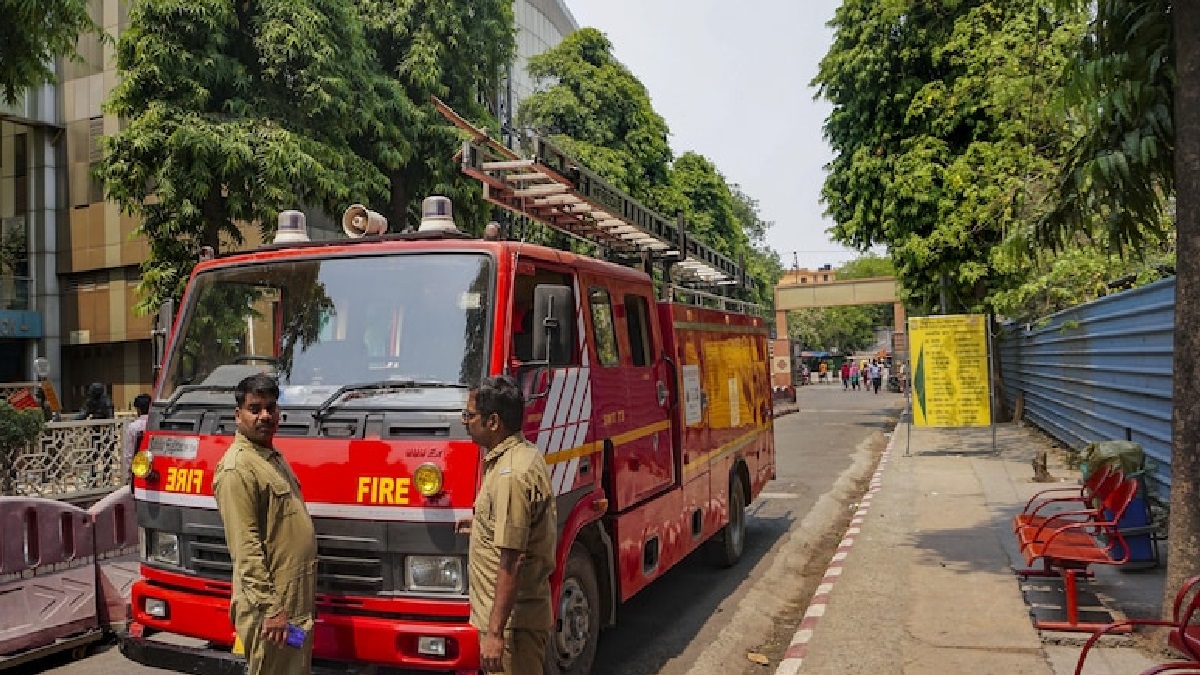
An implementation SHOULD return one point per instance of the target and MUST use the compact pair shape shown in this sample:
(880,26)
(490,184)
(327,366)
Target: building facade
(69,263)
(822,275)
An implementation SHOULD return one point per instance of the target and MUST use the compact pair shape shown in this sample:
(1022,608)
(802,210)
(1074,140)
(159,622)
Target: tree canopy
(237,111)
(1120,174)
(457,52)
(32,35)
(939,137)
(600,113)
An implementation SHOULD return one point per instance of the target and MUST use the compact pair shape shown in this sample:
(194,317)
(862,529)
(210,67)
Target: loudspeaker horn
(359,221)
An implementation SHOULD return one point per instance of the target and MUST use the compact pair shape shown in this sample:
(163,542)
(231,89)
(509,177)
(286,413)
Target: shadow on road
(656,625)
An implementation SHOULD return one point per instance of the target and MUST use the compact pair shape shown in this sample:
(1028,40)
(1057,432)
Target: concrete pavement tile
(926,660)
(1101,661)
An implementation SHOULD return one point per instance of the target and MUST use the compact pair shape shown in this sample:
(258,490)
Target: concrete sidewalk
(924,579)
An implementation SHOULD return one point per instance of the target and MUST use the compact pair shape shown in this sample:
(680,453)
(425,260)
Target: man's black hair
(141,403)
(502,396)
(261,384)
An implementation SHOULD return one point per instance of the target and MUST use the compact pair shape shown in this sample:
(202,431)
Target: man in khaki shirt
(512,537)
(270,538)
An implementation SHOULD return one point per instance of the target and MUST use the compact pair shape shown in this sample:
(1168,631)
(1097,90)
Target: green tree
(596,110)
(600,113)
(762,262)
(453,50)
(1140,86)
(1119,88)
(34,33)
(938,134)
(234,112)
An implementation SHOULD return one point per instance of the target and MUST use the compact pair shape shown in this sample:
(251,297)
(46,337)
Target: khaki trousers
(524,651)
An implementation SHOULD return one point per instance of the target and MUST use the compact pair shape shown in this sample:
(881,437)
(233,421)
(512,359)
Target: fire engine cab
(648,390)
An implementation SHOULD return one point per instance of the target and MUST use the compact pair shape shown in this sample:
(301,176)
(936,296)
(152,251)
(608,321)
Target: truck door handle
(662,393)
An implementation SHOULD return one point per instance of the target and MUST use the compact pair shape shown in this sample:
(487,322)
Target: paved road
(698,618)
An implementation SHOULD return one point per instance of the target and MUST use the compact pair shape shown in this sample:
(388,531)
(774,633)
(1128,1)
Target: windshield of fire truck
(318,325)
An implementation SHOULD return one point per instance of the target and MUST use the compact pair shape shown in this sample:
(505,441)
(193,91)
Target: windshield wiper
(189,388)
(384,386)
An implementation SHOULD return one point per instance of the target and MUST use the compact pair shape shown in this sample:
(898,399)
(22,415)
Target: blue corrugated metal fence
(1100,370)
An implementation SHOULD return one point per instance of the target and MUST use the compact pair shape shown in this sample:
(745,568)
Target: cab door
(632,393)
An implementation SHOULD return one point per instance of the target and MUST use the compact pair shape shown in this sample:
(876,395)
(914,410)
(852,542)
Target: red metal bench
(1100,482)
(1067,544)
(1184,634)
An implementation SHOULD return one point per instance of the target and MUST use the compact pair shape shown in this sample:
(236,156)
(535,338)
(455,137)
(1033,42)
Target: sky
(731,78)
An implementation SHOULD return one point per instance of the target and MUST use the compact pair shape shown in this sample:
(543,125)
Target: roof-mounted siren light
(358,221)
(291,229)
(437,215)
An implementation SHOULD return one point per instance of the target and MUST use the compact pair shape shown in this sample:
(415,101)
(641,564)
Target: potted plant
(18,428)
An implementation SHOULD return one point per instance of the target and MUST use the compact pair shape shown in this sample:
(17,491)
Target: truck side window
(602,326)
(637,321)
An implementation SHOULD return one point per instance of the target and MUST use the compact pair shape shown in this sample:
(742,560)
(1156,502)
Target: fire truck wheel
(572,645)
(725,549)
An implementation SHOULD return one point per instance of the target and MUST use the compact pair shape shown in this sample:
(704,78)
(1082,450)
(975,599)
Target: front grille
(339,570)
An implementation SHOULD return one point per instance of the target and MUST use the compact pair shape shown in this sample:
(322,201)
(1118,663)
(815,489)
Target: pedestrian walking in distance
(511,554)
(270,537)
(845,375)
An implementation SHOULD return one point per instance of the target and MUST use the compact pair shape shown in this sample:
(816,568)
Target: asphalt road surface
(698,618)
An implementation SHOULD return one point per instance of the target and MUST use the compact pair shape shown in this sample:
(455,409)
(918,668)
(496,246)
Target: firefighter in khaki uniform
(270,538)
(513,536)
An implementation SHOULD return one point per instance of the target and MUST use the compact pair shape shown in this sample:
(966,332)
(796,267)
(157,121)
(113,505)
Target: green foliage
(1079,273)
(1120,93)
(939,133)
(237,111)
(18,428)
(600,113)
(596,110)
(453,50)
(34,33)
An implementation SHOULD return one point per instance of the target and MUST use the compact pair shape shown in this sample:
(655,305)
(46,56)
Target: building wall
(804,275)
(541,25)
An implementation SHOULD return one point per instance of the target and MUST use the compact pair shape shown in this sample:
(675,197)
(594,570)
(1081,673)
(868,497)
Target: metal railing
(69,460)
(698,298)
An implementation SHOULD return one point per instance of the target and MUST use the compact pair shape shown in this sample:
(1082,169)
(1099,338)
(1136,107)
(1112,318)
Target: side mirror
(162,330)
(553,325)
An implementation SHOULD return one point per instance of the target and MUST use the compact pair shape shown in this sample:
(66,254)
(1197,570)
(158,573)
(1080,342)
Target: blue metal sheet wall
(1093,371)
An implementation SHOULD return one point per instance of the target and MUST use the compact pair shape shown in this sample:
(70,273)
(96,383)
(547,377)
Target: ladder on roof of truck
(556,190)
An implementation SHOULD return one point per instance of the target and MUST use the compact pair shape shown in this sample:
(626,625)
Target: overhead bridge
(872,291)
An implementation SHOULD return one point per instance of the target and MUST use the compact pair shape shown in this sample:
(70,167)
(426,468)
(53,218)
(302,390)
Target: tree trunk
(214,218)
(1184,537)
(398,204)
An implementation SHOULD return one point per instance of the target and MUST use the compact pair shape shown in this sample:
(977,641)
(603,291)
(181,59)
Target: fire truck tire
(725,549)
(572,646)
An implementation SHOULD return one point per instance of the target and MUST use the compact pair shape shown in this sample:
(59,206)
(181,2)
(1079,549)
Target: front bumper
(350,630)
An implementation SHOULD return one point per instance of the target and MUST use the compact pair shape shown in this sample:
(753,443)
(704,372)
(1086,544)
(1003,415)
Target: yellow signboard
(950,386)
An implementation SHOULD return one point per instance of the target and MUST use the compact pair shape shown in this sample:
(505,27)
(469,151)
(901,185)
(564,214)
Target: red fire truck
(653,409)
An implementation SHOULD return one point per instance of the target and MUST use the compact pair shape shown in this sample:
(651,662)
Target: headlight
(141,464)
(428,479)
(164,548)
(442,573)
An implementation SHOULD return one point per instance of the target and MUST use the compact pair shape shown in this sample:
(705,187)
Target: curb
(793,656)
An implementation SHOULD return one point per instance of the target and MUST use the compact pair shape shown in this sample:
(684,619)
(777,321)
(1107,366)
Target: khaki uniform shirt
(514,510)
(269,534)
